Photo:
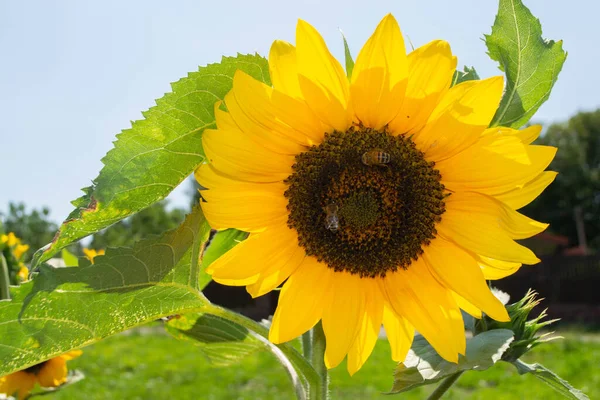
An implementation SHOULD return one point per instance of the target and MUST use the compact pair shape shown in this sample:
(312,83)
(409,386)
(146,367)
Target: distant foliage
(34,227)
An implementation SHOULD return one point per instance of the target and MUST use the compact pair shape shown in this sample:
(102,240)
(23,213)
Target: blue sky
(75,73)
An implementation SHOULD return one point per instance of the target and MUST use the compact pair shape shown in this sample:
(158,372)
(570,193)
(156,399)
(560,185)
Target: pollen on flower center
(364,201)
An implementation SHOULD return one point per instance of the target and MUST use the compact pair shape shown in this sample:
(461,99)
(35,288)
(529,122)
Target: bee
(332,221)
(376,157)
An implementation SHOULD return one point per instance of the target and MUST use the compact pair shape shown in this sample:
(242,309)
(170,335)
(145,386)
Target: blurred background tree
(572,202)
(35,227)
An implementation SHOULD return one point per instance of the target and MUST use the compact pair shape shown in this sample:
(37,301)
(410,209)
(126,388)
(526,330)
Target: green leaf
(299,370)
(348,57)
(67,308)
(222,342)
(467,74)
(69,258)
(156,154)
(221,243)
(531,63)
(424,366)
(551,379)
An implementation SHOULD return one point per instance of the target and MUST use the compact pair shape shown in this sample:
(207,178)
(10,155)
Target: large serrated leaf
(531,63)
(223,342)
(551,379)
(424,366)
(66,308)
(156,154)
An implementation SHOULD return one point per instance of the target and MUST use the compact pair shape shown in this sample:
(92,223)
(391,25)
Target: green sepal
(467,74)
(222,242)
(347,57)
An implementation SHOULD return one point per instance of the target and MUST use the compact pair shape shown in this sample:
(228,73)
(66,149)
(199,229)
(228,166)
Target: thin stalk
(4,279)
(444,386)
(298,362)
(307,345)
(320,391)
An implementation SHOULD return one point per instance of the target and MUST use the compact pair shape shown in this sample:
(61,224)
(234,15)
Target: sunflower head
(48,374)
(379,198)
(91,254)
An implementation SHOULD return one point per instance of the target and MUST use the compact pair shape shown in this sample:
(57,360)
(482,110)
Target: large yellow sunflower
(48,374)
(379,199)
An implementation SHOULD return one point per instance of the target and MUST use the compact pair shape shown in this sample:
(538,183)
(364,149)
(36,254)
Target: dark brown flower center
(35,369)
(364,201)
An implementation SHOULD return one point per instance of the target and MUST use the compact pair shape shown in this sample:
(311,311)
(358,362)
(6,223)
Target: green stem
(4,279)
(298,362)
(320,391)
(307,345)
(444,386)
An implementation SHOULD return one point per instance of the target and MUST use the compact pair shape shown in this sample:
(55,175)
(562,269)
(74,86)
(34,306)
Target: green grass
(155,366)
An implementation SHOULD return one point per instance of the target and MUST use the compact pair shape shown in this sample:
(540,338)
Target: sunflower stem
(307,345)
(4,279)
(321,390)
(288,356)
(444,386)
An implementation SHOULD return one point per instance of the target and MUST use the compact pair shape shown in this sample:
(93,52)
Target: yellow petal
(19,382)
(369,328)
(495,269)
(400,333)
(526,136)
(301,301)
(69,355)
(283,67)
(251,207)
(459,119)
(380,75)
(322,79)
(471,221)
(234,154)
(494,166)
(457,270)
(277,272)
(53,373)
(430,71)
(251,107)
(342,316)
(242,265)
(417,296)
(466,306)
(520,197)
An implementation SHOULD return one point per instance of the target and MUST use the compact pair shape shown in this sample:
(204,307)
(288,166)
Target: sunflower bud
(525,329)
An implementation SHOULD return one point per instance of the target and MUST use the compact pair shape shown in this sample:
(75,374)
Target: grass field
(156,366)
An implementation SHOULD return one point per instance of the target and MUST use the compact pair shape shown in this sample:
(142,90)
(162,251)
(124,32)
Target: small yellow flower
(10,239)
(23,272)
(19,250)
(90,254)
(383,198)
(50,373)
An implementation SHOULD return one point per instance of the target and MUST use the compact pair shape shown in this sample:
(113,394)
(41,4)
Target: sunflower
(382,198)
(91,254)
(48,374)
